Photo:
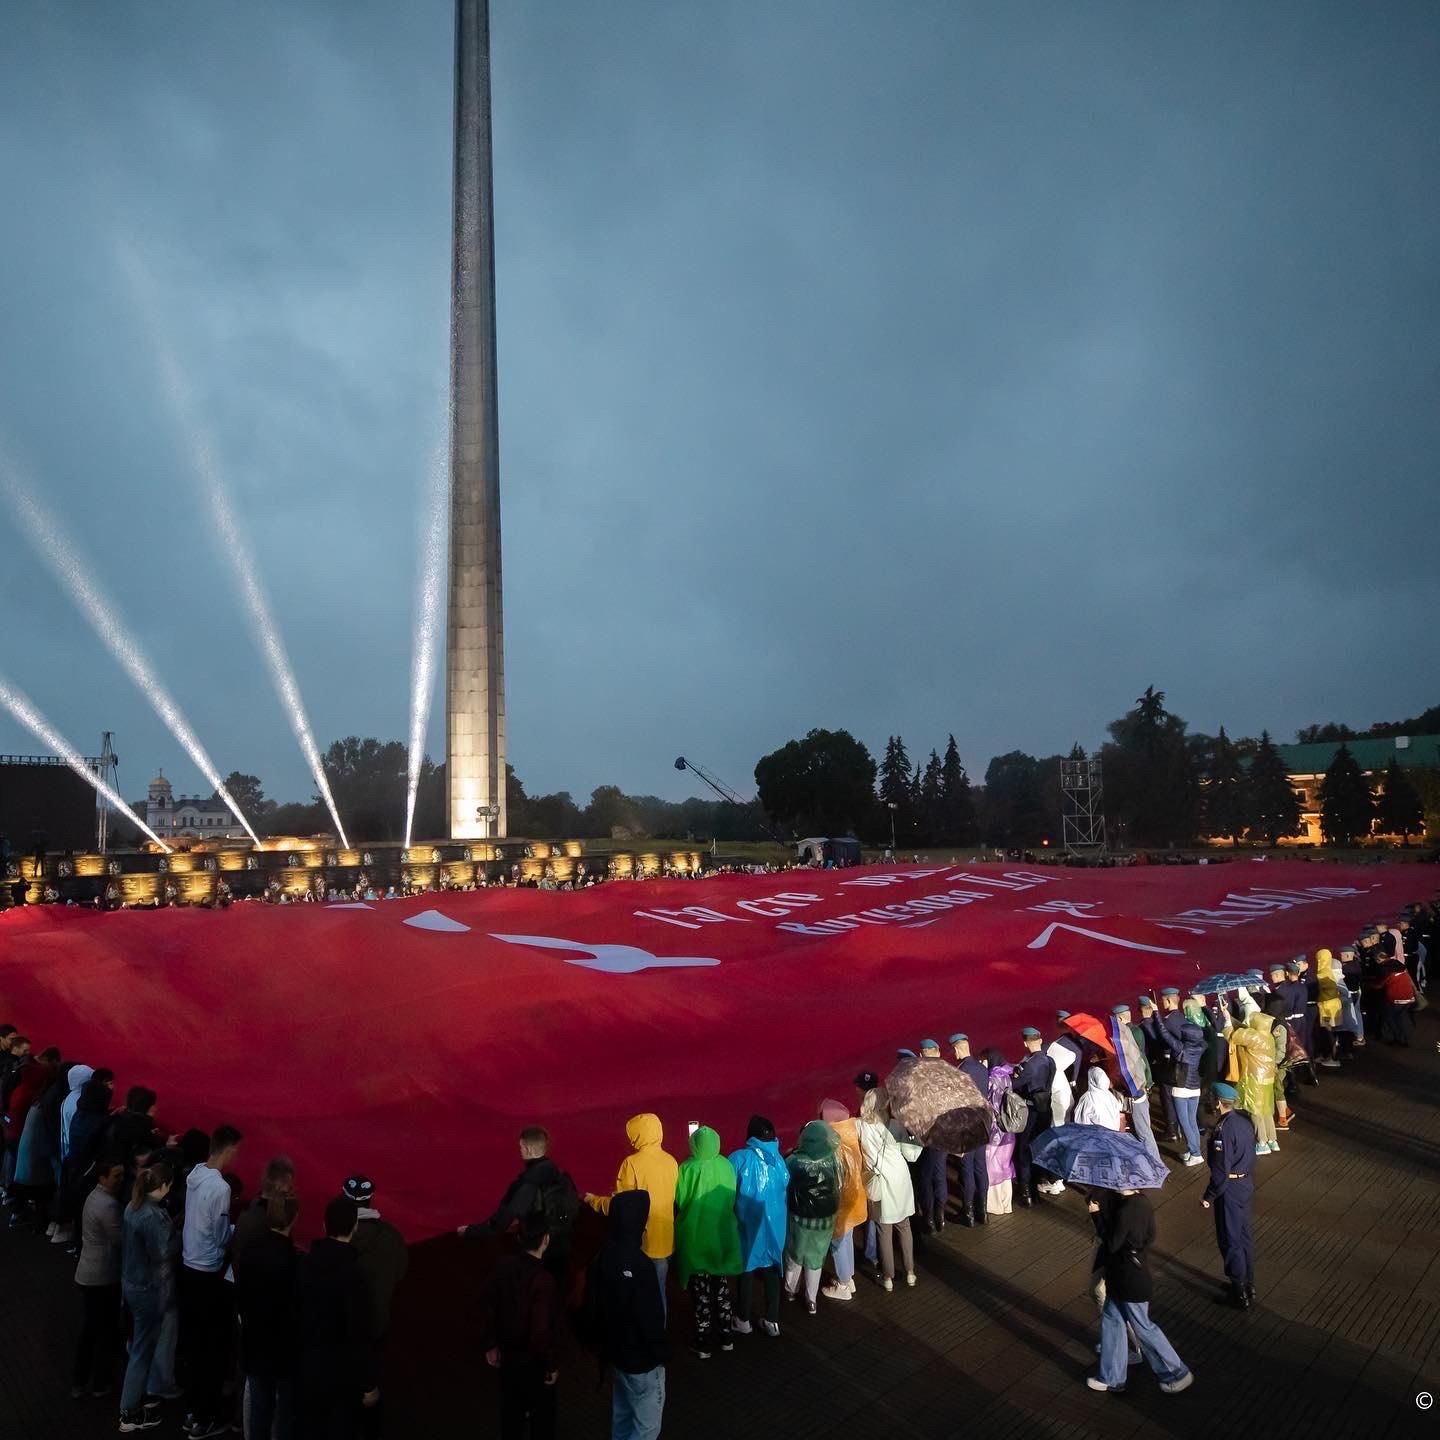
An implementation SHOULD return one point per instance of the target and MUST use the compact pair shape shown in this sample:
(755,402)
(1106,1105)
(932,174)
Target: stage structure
(1082,805)
(474,645)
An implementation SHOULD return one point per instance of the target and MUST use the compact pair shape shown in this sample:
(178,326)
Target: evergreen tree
(1273,805)
(1225,791)
(894,785)
(931,813)
(1401,812)
(1346,805)
(959,825)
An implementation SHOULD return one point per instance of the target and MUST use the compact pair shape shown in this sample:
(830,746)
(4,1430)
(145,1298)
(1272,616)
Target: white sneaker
(741,1327)
(837,1291)
(1194,1160)
(1058,1188)
(910,1279)
(50,1230)
(851,1284)
(887,1283)
(1174,1387)
(61,1235)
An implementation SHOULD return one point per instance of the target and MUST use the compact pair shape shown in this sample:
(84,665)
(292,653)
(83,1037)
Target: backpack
(1014,1114)
(559,1202)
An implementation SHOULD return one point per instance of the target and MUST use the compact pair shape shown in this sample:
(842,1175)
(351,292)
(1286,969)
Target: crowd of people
(169,1251)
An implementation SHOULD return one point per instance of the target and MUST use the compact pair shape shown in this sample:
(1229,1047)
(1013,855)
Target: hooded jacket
(79,1074)
(707,1236)
(1252,1063)
(1098,1105)
(851,1162)
(814,1193)
(384,1262)
(887,1177)
(650,1169)
(761,1181)
(629,1313)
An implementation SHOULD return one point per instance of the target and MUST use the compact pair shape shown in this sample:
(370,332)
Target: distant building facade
(1307,764)
(186,817)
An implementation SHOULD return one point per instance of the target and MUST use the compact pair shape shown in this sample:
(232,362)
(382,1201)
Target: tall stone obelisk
(474,647)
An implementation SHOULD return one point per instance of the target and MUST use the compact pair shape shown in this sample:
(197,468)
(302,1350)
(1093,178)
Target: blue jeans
(842,1252)
(637,1404)
(271,1411)
(1187,1110)
(871,1243)
(151,1368)
(1158,1352)
(662,1272)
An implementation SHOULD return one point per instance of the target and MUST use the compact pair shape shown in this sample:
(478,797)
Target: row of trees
(1164,785)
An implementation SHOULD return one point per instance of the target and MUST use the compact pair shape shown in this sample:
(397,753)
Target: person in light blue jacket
(762,1179)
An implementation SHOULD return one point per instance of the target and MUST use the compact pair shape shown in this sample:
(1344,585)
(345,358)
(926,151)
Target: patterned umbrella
(1094,1155)
(939,1104)
(1220,984)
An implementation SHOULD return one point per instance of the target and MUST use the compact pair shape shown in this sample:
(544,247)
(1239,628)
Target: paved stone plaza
(996,1339)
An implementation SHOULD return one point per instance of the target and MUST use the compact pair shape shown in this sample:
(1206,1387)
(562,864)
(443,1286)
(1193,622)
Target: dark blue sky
(918,367)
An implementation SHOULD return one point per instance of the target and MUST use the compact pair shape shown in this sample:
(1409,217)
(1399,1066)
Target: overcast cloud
(917,366)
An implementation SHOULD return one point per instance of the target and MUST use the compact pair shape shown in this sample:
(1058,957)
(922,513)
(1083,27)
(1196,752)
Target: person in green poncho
(813,1200)
(707,1239)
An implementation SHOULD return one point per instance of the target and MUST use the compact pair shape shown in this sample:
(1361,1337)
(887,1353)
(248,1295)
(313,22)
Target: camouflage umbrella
(939,1104)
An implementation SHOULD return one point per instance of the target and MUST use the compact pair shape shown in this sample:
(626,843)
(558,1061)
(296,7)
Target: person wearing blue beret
(1231,1153)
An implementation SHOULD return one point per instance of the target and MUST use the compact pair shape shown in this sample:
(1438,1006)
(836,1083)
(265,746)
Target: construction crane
(717,785)
(725,793)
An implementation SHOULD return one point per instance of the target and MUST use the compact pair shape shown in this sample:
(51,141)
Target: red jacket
(1398,985)
(33,1080)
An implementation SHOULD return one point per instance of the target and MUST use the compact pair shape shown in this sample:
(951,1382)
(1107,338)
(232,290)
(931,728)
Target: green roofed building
(1307,764)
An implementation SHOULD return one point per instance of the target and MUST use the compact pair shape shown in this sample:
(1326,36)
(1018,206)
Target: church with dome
(186,817)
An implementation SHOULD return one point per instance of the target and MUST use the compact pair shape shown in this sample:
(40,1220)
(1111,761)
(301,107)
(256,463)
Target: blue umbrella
(1094,1155)
(1219,984)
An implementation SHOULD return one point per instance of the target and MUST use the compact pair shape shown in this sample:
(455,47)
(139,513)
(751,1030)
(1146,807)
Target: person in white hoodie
(1099,1105)
(888,1189)
(62,1227)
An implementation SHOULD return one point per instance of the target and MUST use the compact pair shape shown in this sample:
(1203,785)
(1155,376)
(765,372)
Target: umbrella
(1219,984)
(1091,1029)
(939,1104)
(1095,1155)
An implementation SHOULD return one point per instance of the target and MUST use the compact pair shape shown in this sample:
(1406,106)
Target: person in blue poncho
(762,1178)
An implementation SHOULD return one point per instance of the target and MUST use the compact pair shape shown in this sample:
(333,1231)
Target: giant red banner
(412,1039)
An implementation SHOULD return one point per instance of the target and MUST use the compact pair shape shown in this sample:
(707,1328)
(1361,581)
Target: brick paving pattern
(996,1339)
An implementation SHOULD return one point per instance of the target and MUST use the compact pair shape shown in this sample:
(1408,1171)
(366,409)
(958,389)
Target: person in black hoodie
(541,1185)
(267,1275)
(337,1351)
(133,1130)
(627,1319)
(1125,1224)
(520,1333)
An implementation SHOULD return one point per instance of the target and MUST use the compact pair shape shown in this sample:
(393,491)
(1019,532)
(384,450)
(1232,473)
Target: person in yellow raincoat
(1331,1004)
(853,1204)
(1253,1067)
(649,1168)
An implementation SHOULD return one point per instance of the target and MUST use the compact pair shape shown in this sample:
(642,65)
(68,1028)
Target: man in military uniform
(1032,1080)
(1231,1154)
(1137,1087)
(974,1180)
(1160,1052)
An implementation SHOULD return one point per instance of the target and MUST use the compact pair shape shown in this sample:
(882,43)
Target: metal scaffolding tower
(107,767)
(1082,804)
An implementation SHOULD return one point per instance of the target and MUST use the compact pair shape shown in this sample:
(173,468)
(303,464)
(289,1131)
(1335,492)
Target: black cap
(359,1188)
(866,1080)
